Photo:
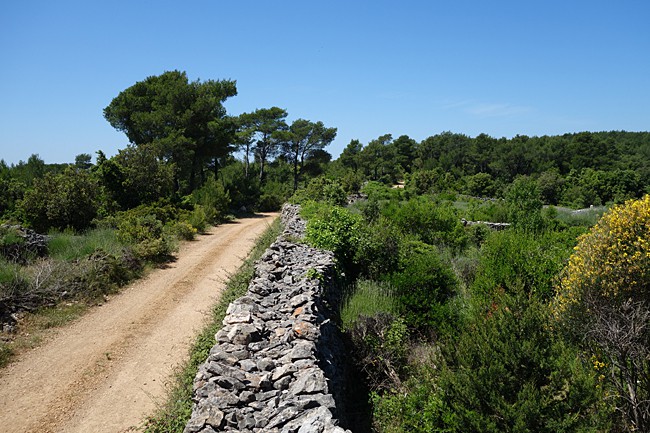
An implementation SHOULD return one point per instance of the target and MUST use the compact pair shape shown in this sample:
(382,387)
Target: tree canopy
(185,122)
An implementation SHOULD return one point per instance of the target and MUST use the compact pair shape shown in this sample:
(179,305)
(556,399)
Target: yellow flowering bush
(603,299)
(612,261)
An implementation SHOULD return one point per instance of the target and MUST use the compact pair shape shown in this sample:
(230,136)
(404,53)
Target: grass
(367,299)
(69,246)
(582,218)
(173,415)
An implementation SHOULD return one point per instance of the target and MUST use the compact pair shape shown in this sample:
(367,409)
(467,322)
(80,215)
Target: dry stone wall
(277,365)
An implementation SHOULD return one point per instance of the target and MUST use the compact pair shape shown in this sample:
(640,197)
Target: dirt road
(106,371)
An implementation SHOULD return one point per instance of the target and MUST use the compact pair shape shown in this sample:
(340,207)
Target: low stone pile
(275,367)
(28,244)
(493,226)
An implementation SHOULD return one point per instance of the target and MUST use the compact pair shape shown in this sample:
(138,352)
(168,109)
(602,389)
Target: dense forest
(455,327)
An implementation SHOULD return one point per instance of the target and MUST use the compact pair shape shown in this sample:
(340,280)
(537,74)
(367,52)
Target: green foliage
(146,236)
(11,192)
(243,191)
(274,194)
(511,259)
(184,122)
(423,286)
(323,190)
(378,191)
(366,298)
(68,199)
(335,229)
(301,141)
(507,372)
(433,223)
(69,246)
(504,372)
(135,176)
(480,185)
(525,205)
(213,199)
(183,230)
(495,211)
(377,248)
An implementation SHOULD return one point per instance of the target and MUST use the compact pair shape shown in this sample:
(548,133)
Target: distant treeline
(581,169)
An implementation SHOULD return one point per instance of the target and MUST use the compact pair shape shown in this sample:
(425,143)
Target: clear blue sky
(365,67)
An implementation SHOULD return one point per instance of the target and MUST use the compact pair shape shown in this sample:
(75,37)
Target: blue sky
(365,67)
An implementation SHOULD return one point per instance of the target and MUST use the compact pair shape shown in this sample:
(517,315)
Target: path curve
(107,371)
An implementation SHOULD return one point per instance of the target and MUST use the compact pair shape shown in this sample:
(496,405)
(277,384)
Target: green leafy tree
(261,128)
(350,156)
(184,121)
(135,176)
(304,139)
(68,199)
(525,205)
(83,161)
(404,149)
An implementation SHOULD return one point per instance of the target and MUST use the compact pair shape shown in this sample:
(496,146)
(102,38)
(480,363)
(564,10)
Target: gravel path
(107,371)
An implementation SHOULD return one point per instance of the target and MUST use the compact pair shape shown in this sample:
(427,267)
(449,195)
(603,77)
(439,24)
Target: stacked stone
(275,358)
(32,244)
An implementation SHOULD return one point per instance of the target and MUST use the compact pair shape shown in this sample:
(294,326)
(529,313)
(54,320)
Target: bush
(198,219)
(68,199)
(377,249)
(513,259)
(322,190)
(423,286)
(338,230)
(603,300)
(504,372)
(183,230)
(378,191)
(524,204)
(146,235)
(214,200)
(433,223)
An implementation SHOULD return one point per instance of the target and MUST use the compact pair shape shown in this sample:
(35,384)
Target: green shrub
(494,211)
(274,194)
(68,199)
(183,230)
(423,286)
(377,249)
(213,198)
(336,229)
(198,219)
(516,259)
(379,191)
(146,235)
(435,224)
(506,372)
(323,190)
(524,204)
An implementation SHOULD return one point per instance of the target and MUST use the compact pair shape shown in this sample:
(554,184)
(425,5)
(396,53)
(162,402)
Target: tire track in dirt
(106,371)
